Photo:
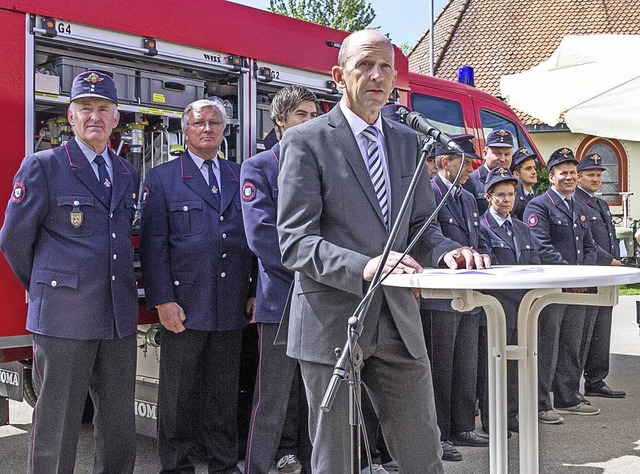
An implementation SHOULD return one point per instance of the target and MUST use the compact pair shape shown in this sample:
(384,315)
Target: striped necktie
(376,171)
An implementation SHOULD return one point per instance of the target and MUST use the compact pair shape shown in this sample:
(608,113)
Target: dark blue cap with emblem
(520,156)
(94,84)
(395,112)
(591,162)
(498,175)
(561,155)
(464,141)
(500,138)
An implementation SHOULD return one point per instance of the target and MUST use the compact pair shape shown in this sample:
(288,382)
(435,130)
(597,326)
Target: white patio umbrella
(592,80)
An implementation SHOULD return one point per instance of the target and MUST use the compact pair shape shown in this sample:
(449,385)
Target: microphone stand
(350,357)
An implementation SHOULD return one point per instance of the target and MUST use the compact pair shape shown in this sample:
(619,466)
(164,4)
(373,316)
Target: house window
(614,158)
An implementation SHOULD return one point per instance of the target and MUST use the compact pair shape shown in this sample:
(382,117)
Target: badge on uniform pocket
(76,217)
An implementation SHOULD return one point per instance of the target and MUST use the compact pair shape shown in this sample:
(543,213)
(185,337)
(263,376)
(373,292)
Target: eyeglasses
(503,195)
(202,123)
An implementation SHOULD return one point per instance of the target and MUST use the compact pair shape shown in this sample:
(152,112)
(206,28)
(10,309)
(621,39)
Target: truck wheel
(29,392)
(30,395)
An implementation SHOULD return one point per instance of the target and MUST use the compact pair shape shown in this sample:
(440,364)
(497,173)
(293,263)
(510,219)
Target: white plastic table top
(518,277)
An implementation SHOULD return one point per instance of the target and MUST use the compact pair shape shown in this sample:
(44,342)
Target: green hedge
(630,289)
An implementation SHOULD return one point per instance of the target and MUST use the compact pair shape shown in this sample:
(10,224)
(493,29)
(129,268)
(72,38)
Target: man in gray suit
(333,220)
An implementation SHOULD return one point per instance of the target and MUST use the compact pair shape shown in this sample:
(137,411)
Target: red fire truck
(163,55)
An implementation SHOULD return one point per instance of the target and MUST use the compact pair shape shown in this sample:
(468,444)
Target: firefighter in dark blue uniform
(557,219)
(512,243)
(523,167)
(497,152)
(596,340)
(452,337)
(67,237)
(276,428)
(196,266)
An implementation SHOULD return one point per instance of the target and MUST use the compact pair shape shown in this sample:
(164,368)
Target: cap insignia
(93,78)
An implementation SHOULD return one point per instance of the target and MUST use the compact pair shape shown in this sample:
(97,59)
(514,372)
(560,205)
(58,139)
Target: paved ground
(605,444)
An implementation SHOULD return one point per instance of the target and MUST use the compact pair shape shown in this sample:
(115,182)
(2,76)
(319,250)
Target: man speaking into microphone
(342,180)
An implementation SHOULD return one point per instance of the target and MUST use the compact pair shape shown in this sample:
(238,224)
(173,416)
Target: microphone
(419,122)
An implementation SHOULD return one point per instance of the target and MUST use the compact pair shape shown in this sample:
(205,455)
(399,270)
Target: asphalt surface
(605,444)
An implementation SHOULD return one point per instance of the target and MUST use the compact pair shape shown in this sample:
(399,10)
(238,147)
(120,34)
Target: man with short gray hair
(67,238)
(197,271)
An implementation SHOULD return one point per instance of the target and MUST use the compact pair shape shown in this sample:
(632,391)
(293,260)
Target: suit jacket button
(224,236)
(76,203)
(54,283)
(176,283)
(113,278)
(185,208)
(224,255)
(221,218)
(223,274)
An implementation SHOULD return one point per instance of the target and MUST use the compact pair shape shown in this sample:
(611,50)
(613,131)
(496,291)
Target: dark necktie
(376,172)
(457,204)
(213,182)
(506,225)
(103,176)
(569,205)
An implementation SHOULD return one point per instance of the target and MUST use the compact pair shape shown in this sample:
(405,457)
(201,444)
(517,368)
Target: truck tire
(30,395)
(29,392)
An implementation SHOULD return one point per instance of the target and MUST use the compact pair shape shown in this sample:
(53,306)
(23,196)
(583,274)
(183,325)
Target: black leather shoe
(486,430)
(606,392)
(449,452)
(582,400)
(469,438)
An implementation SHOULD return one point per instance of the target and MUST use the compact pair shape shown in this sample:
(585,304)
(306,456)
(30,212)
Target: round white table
(545,283)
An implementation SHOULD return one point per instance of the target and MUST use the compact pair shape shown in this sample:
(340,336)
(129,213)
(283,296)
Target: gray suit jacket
(330,225)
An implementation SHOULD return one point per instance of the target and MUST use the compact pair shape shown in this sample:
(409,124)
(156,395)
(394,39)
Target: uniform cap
(520,156)
(498,175)
(464,141)
(591,162)
(395,112)
(94,84)
(500,138)
(561,155)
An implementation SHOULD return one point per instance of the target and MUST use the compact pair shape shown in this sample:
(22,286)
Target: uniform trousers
(452,343)
(276,428)
(559,367)
(401,392)
(596,353)
(64,371)
(198,399)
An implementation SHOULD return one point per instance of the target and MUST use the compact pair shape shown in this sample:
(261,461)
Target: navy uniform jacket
(521,202)
(70,248)
(193,250)
(475,185)
(602,228)
(523,248)
(553,224)
(259,176)
(464,229)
